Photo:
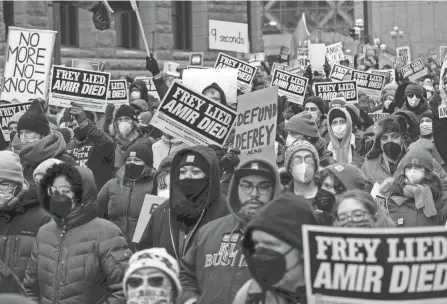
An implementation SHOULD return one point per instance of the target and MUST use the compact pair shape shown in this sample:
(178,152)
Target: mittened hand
(230,160)
(78,112)
(152,65)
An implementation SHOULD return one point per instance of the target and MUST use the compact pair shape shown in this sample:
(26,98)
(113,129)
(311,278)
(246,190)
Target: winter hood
(50,146)
(141,86)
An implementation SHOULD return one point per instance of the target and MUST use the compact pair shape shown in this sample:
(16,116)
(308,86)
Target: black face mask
(192,187)
(60,205)
(325,200)
(134,171)
(392,150)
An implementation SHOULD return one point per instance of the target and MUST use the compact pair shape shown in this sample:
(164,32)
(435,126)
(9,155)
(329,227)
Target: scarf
(423,198)
(50,146)
(342,151)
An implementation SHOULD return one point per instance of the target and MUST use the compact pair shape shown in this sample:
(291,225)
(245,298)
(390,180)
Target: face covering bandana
(135,95)
(60,205)
(392,150)
(414,176)
(134,171)
(192,187)
(325,200)
(304,173)
(426,128)
(413,102)
(149,295)
(125,128)
(339,131)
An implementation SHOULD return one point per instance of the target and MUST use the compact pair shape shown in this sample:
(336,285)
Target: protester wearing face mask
(426,125)
(77,247)
(12,124)
(121,199)
(166,146)
(195,200)
(138,90)
(388,103)
(315,106)
(415,195)
(17,211)
(254,184)
(152,278)
(415,100)
(342,143)
(428,86)
(273,250)
(357,208)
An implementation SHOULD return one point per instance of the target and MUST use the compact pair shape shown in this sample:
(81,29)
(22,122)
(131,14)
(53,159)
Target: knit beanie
(349,175)
(427,114)
(303,123)
(340,101)
(126,111)
(354,112)
(413,88)
(157,258)
(143,150)
(298,146)
(254,168)
(390,87)
(45,165)
(140,105)
(15,118)
(195,159)
(334,113)
(418,154)
(282,218)
(145,118)
(318,101)
(10,167)
(34,119)
(66,133)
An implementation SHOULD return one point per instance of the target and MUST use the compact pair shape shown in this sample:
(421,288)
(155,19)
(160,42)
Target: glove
(152,65)
(78,112)
(230,160)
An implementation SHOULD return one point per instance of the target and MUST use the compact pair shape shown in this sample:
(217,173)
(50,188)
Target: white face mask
(125,128)
(135,95)
(414,176)
(290,140)
(340,130)
(304,173)
(413,102)
(426,128)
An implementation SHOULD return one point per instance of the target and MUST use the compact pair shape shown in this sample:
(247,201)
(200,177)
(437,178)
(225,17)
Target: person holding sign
(254,184)
(273,249)
(415,100)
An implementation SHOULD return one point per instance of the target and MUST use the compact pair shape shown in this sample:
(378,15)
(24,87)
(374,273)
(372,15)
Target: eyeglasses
(62,190)
(417,96)
(356,216)
(154,281)
(262,188)
(298,160)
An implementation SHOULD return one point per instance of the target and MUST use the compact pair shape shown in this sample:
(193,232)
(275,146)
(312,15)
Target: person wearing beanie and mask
(121,198)
(195,199)
(18,211)
(415,100)
(91,147)
(254,184)
(315,106)
(77,258)
(273,250)
(166,146)
(152,278)
(126,132)
(342,143)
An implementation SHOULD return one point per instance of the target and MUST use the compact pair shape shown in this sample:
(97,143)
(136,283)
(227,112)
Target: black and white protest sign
(279,66)
(245,74)
(171,68)
(442,111)
(371,84)
(85,64)
(27,64)
(89,88)
(196,119)
(256,124)
(334,53)
(329,90)
(196,59)
(292,86)
(150,85)
(256,59)
(228,36)
(118,93)
(7,111)
(414,70)
(298,65)
(150,203)
(340,73)
(403,54)
(351,265)
(377,116)
(390,75)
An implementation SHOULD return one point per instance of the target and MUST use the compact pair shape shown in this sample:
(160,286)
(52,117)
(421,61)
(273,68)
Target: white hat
(157,258)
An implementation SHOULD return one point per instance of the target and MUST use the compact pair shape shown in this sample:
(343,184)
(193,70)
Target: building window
(181,24)
(127,31)
(69,21)
(8,15)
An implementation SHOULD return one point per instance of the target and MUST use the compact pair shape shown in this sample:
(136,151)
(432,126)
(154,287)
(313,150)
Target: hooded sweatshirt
(343,150)
(215,86)
(214,267)
(165,147)
(164,228)
(141,86)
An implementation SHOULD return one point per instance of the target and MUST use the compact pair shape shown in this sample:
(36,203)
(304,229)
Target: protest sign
(193,117)
(414,70)
(117,93)
(228,36)
(371,84)
(291,86)
(363,266)
(189,67)
(256,125)
(89,88)
(256,59)
(298,65)
(284,53)
(328,90)
(7,111)
(279,66)
(350,59)
(390,75)
(224,79)
(377,116)
(340,73)
(85,65)
(150,85)
(426,56)
(403,53)
(317,56)
(442,54)
(245,73)
(150,203)
(301,51)
(196,59)
(334,53)
(27,64)
(171,68)
(442,109)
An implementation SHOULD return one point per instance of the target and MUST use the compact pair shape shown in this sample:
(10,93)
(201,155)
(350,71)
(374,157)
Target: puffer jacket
(80,260)
(252,293)
(9,283)
(164,229)
(213,269)
(19,224)
(165,147)
(121,203)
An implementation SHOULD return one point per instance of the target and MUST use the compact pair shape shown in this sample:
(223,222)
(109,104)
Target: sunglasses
(417,96)
(154,281)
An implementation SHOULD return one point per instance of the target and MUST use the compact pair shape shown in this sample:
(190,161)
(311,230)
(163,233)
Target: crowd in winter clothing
(73,184)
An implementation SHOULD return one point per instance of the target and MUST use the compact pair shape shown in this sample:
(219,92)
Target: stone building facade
(157,18)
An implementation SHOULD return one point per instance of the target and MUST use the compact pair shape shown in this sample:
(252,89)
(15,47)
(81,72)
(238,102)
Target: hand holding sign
(78,112)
